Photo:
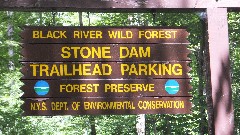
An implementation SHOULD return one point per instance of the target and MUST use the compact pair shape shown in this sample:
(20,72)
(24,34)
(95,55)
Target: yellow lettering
(106,52)
(108,105)
(151,69)
(106,67)
(97,52)
(76,105)
(145,53)
(149,105)
(34,69)
(136,52)
(153,34)
(167,69)
(44,68)
(128,87)
(87,34)
(38,106)
(124,68)
(140,34)
(54,70)
(120,34)
(122,54)
(66,73)
(96,70)
(49,34)
(143,68)
(75,51)
(133,52)
(44,107)
(59,106)
(77,69)
(133,70)
(98,34)
(35,34)
(177,69)
(62,34)
(76,34)
(86,52)
(86,69)
(65,52)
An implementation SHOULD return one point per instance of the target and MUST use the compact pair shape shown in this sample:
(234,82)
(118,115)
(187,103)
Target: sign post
(105,70)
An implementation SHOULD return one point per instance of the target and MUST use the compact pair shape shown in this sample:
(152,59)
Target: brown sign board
(96,106)
(113,5)
(96,34)
(105,70)
(104,52)
(107,88)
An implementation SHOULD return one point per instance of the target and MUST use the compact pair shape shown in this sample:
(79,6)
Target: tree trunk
(168,125)
(211,130)
(11,65)
(140,126)
(92,124)
(80,18)
(201,68)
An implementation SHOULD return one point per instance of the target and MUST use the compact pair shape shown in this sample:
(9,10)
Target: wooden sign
(105,70)
(106,88)
(163,35)
(104,52)
(96,106)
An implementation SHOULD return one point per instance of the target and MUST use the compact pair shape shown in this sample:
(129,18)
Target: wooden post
(140,125)
(219,84)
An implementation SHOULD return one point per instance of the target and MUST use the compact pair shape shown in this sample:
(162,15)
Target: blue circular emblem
(41,88)
(172,86)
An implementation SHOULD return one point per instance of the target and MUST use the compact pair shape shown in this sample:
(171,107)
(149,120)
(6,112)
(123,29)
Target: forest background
(12,122)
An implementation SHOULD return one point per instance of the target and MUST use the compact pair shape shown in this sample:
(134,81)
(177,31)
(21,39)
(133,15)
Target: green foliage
(10,113)
(234,34)
(116,125)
